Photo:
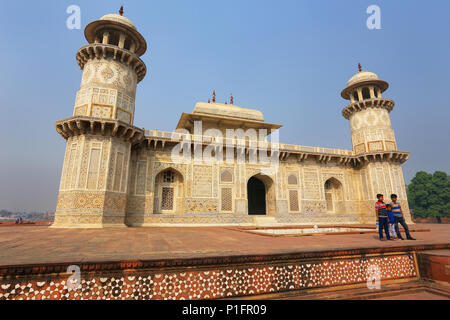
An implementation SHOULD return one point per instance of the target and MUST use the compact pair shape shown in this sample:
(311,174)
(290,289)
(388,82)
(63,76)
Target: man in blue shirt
(399,218)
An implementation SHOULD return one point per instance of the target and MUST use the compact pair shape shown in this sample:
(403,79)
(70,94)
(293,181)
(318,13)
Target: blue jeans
(401,220)
(384,224)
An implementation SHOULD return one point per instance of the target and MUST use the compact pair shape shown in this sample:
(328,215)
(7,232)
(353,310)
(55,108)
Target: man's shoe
(401,238)
(410,238)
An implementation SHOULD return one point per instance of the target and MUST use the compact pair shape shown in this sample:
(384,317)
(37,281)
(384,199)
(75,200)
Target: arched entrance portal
(261,195)
(256,193)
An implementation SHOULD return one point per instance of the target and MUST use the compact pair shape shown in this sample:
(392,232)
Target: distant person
(382,217)
(17,221)
(391,219)
(399,218)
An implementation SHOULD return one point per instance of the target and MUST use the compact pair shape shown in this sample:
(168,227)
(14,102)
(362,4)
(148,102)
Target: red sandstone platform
(217,263)
(43,245)
(418,290)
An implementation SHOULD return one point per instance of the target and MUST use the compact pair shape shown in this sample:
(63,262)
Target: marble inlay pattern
(231,281)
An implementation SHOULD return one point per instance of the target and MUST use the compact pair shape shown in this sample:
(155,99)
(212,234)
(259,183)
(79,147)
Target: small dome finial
(214,96)
(121,10)
(231,99)
(359,67)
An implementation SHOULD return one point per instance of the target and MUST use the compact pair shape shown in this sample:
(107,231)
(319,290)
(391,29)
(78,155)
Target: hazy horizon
(289,59)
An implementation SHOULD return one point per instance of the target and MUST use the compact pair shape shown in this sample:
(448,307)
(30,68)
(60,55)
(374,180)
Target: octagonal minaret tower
(368,113)
(376,156)
(100,133)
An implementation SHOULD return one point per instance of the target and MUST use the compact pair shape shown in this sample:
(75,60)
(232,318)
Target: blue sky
(288,58)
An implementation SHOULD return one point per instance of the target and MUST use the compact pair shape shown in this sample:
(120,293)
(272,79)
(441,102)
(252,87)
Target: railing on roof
(176,137)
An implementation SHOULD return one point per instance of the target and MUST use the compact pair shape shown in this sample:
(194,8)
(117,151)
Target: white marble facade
(116,174)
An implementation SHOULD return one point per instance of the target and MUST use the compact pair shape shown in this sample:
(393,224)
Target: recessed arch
(177,171)
(292,179)
(334,195)
(226,176)
(168,191)
(261,195)
(256,193)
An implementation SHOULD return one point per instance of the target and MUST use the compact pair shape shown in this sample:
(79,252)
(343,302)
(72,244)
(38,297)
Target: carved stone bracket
(102,51)
(87,125)
(385,103)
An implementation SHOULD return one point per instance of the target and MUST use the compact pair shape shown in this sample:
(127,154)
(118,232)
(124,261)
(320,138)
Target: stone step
(265,221)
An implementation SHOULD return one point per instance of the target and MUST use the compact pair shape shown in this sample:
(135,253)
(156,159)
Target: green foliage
(429,195)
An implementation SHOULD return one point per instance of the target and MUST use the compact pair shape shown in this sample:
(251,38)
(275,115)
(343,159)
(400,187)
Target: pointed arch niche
(169,192)
(334,196)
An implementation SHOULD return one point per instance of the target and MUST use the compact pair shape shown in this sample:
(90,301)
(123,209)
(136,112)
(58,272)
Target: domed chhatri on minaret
(116,174)
(111,69)
(368,113)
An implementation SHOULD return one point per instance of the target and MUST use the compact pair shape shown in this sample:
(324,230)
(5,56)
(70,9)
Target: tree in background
(429,195)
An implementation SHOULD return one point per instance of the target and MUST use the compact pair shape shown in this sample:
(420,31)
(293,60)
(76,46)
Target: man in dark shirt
(382,217)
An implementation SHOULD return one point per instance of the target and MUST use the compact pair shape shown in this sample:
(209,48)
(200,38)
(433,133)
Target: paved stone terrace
(40,245)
